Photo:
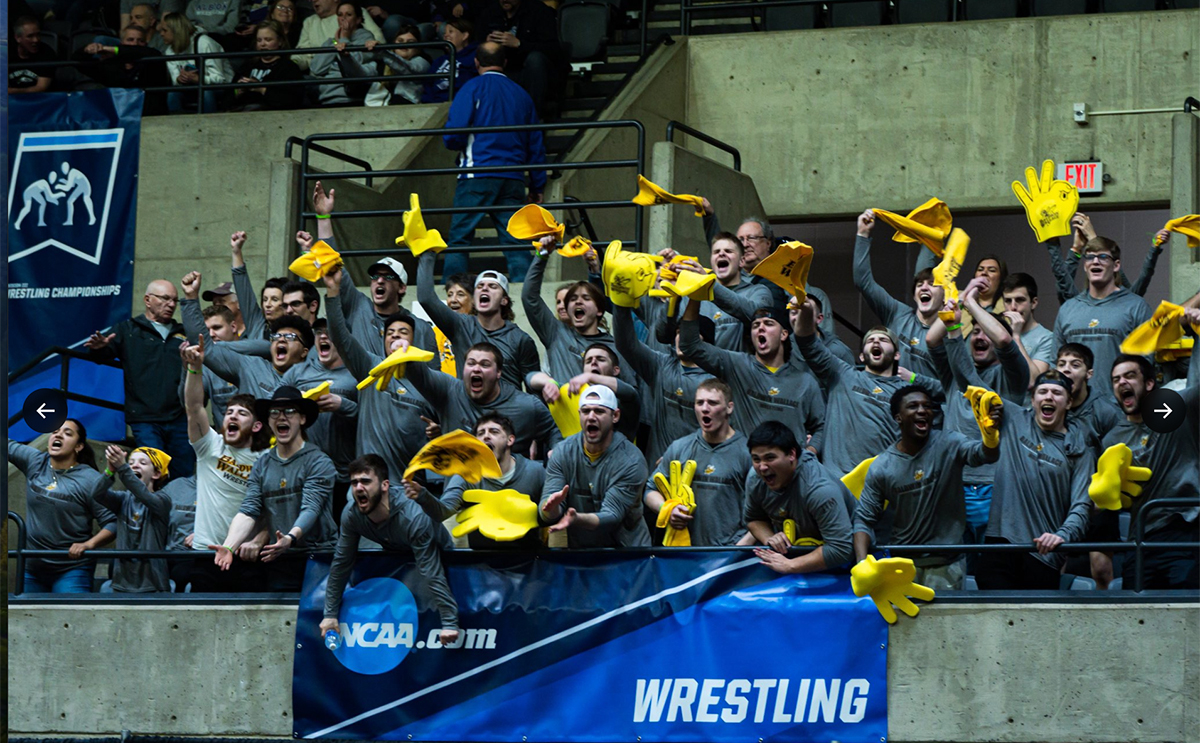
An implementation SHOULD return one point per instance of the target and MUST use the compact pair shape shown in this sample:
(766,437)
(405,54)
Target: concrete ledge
(958,672)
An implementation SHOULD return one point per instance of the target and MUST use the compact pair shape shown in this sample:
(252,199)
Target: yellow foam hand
(317,262)
(1115,483)
(1180,349)
(575,247)
(316,392)
(532,222)
(887,582)
(1188,226)
(788,268)
(393,366)
(677,491)
(501,515)
(955,254)
(928,224)
(416,236)
(649,194)
(982,401)
(456,453)
(627,276)
(857,477)
(565,410)
(1161,330)
(1049,204)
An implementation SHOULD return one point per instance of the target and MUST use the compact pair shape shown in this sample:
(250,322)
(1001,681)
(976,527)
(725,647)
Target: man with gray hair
(148,348)
(146,15)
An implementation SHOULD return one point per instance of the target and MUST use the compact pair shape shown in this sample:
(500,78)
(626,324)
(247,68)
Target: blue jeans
(176,101)
(171,437)
(486,192)
(75,580)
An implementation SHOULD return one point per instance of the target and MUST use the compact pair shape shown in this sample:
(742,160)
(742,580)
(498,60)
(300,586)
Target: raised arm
(193,391)
(881,303)
(252,314)
(827,367)
(442,316)
(716,361)
(354,354)
(645,362)
(741,305)
(157,502)
(1148,265)
(1064,279)
(543,319)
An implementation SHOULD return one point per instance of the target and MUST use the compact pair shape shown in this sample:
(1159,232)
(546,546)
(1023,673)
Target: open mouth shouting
(475,384)
(1127,397)
(379,292)
(579,315)
(591,430)
(762,343)
(324,348)
(279,352)
(233,429)
(921,424)
(56,444)
(484,302)
(282,428)
(1047,411)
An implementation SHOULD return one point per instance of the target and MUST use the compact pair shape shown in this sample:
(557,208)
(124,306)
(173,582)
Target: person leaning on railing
(123,67)
(400,63)
(269,36)
(328,65)
(181,38)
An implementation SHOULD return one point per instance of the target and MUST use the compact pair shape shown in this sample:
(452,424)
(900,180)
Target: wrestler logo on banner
(60,192)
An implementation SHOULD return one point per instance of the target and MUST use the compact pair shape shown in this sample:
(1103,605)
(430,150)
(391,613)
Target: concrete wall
(956,110)
(986,672)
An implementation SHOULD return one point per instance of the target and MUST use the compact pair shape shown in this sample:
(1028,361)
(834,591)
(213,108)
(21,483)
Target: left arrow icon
(42,410)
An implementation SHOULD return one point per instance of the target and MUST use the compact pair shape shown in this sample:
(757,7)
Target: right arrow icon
(1165,410)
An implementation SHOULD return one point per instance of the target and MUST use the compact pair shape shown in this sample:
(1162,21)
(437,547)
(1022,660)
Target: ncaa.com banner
(694,646)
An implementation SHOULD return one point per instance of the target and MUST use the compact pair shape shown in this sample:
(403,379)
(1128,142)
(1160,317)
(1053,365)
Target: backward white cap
(496,276)
(598,394)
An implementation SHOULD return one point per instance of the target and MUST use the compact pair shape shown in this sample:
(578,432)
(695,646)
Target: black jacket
(535,24)
(152,368)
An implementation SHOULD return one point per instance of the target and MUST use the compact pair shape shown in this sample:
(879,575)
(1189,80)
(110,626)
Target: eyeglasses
(285,337)
(748,238)
(281,412)
(385,276)
(295,304)
(285,9)
(164,298)
(1097,257)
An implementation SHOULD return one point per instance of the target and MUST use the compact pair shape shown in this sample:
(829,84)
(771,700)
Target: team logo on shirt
(1039,447)
(915,342)
(1093,323)
(773,391)
(1145,440)
(717,316)
(919,475)
(678,392)
(877,391)
(709,470)
(282,483)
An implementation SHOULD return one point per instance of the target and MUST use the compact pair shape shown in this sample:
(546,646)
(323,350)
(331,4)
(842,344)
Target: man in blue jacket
(492,99)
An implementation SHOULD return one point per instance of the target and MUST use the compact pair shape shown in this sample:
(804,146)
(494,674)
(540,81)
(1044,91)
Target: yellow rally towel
(317,262)
(946,272)
(788,268)
(416,236)
(698,286)
(577,246)
(456,453)
(627,276)
(650,194)
(1049,204)
(445,352)
(1180,349)
(159,458)
(982,401)
(315,392)
(1189,226)
(928,224)
(857,477)
(393,366)
(502,515)
(565,410)
(1160,331)
(532,222)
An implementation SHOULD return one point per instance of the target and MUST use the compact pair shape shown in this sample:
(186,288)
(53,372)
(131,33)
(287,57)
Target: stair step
(558,143)
(583,104)
(613,68)
(596,88)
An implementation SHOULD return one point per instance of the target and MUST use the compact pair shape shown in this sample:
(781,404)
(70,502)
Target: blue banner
(72,206)
(693,646)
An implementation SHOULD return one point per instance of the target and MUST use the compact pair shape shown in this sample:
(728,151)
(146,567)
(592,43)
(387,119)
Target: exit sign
(1087,177)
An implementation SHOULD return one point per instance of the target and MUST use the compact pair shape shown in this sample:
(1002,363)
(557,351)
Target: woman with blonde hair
(181,37)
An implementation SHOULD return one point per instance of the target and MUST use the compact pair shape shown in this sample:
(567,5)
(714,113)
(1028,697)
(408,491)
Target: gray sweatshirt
(529,415)
(252,375)
(334,433)
(1045,484)
(143,522)
(182,492)
(526,477)
(820,505)
(732,310)
(610,487)
(924,492)
(719,485)
(215,16)
(516,347)
(389,421)
(1101,325)
(326,66)
(406,530)
(1098,415)
(367,325)
(252,314)
(294,492)
(899,317)
(858,406)
(789,395)
(671,387)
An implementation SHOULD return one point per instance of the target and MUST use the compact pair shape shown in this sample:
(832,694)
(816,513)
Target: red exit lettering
(1083,175)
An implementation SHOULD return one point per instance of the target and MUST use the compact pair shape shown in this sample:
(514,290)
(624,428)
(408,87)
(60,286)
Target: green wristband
(324,216)
(954,327)
(913,378)
(108,472)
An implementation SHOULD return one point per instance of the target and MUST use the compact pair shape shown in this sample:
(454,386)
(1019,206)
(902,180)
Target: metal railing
(64,379)
(740,8)
(673,126)
(204,58)
(637,160)
(366,166)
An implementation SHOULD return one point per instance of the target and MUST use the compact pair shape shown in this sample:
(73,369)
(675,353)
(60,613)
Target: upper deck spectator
(28,47)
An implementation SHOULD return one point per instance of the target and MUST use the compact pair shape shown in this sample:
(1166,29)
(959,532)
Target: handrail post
(639,210)
(200,84)
(64,373)
(683,17)
(644,22)
(20,577)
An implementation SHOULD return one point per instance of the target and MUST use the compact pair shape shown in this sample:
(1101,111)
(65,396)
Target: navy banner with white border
(72,205)
(689,646)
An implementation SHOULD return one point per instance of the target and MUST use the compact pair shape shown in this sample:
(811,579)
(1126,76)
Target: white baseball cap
(496,276)
(392,265)
(598,394)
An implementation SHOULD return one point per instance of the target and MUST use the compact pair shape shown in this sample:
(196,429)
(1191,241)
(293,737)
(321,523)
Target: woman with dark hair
(400,63)
(460,290)
(269,37)
(461,34)
(60,506)
(996,272)
(350,32)
(285,13)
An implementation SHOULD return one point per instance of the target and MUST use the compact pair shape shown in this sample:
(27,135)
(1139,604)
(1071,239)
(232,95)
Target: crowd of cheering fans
(269,423)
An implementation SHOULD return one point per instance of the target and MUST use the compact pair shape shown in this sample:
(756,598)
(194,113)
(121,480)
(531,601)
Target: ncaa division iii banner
(72,202)
(693,647)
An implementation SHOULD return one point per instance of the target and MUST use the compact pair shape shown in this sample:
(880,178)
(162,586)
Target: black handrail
(64,379)
(672,126)
(204,57)
(287,152)
(1139,530)
(19,583)
(584,220)
(637,162)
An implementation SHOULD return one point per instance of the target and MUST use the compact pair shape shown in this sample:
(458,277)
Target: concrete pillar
(281,216)
(1185,199)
